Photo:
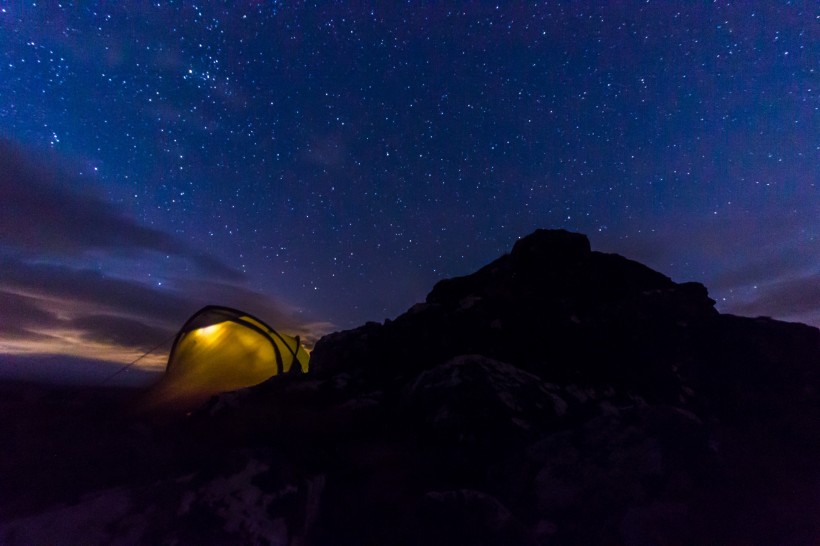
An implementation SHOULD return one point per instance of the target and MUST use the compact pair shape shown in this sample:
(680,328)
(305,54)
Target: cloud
(759,267)
(121,331)
(58,309)
(752,263)
(20,314)
(47,306)
(43,212)
(793,298)
(75,272)
(90,290)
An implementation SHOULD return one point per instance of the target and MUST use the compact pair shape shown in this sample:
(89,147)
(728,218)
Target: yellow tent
(221,349)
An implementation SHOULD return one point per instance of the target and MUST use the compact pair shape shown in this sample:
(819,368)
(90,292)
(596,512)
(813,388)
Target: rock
(482,402)
(546,248)
(556,396)
(465,517)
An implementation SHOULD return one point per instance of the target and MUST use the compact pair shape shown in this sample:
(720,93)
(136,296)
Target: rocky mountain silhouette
(557,396)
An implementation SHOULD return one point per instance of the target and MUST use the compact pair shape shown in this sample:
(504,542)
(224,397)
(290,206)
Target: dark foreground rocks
(557,396)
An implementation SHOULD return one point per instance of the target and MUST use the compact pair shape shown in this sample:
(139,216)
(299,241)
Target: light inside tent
(229,350)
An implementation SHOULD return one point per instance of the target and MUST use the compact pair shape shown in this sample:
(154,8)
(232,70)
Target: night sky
(324,164)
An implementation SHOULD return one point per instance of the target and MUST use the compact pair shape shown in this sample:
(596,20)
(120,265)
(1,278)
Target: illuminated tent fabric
(221,349)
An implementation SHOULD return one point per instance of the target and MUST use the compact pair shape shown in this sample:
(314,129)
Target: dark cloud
(92,290)
(150,310)
(752,263)
(87,306)
(123,332)
(786,262)
(797,299)
(54,230)
(44,211)
(19,314)
(725,244)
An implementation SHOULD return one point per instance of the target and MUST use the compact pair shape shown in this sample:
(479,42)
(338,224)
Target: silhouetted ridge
(557,396)
(552,307)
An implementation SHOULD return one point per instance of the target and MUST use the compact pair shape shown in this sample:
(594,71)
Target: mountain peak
(552,307)
(557,395)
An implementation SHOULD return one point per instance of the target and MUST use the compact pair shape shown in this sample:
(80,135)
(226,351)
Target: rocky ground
(557,396)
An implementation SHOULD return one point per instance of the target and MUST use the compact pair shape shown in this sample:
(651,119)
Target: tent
(221,349)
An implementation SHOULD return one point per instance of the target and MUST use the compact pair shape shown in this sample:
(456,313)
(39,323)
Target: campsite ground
(61,442)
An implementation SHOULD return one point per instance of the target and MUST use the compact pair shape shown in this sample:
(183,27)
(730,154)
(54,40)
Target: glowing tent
(221,349)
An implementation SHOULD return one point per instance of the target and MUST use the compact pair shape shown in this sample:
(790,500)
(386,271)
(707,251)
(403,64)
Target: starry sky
(324,164)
